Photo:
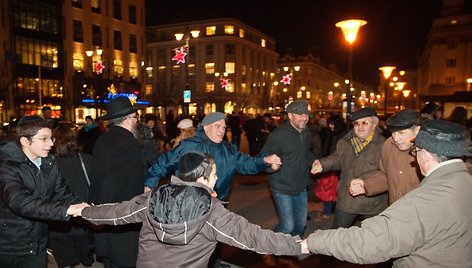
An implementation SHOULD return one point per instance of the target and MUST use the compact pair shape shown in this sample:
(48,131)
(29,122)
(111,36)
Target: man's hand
(146,189)
(316,167)
(304,245)
(75,210)
(273,159)
(357,187)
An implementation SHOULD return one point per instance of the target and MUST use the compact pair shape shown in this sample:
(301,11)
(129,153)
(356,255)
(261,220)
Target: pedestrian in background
(32,192)
(118,168)
(187,130)
(70,241)
(88,135)
(146,140)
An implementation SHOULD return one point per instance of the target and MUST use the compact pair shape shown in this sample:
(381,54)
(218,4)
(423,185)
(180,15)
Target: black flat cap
(443,138)
(403,119)
(364,112)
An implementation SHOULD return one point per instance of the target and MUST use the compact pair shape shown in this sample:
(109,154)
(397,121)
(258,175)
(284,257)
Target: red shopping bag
(326,186)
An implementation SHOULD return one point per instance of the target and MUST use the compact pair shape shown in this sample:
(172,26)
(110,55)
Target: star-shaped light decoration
(99,67)
(132,98)
(286,79)
(112,89)
(224,83)
(179,55)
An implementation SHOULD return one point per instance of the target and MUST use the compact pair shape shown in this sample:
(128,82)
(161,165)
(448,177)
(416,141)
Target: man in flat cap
(357,154)
(209,139)
(118,168)
(431,226)
(291,141)
(398,172)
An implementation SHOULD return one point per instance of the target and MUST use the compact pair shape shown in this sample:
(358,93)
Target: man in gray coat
(357,154)
(431,226)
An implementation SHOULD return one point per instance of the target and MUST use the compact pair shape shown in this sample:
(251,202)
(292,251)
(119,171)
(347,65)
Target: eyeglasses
(45,139)
(361,123)
(415,150)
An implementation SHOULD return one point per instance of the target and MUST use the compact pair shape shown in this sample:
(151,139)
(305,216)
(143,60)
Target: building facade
(445,66)
(229,66)
(45,62)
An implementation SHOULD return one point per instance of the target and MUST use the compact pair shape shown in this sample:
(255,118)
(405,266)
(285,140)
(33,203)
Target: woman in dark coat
(70,241)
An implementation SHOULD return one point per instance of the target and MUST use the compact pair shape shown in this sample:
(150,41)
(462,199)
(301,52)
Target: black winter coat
(29,197)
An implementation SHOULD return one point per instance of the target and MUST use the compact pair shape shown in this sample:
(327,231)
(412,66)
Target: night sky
(395,33)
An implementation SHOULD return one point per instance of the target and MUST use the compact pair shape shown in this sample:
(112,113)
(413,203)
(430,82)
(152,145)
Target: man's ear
(24,141)
(202,180)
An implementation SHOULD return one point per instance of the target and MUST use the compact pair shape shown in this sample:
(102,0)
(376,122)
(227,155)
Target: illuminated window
(210,30)
(241,33)
(78,62)
(229,67)
(95,4)
(133,69)
(191,69)
(118,67)
(308,95)
(263,43)
(148,89)
(244,88)
(243,70)
(210,68)
(299,94)
(230,86)
(229,29)
(209,87)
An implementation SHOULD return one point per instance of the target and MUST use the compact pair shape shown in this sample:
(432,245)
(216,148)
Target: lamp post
(350,29)
(387,72)
(97,69)
(187,90)
(223,83)
(399,87)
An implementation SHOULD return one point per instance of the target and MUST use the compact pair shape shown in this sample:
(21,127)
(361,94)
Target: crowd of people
(396,189)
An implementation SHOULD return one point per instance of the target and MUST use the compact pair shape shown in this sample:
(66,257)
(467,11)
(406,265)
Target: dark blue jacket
(228,158)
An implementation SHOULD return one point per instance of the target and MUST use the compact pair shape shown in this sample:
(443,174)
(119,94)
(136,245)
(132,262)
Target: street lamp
(387,72)
(97,69)
(400,86)
(469,81)
(350,29)
(187,91)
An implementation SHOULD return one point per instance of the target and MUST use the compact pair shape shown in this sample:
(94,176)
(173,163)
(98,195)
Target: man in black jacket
(118,168)
(32,191)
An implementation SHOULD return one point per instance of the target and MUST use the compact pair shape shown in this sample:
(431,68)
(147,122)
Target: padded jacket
(29,196)
(182,224)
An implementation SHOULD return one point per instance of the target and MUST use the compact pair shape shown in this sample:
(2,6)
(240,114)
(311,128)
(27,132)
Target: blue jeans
(292,212)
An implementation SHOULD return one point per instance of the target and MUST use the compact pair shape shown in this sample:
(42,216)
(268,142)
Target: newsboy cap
(403,119)
(443,138)
(298,107)
(185,123)
(118,107)
(212,118)
(364,112)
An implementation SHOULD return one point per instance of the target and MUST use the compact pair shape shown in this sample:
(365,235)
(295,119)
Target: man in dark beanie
(397,175)
(431,226)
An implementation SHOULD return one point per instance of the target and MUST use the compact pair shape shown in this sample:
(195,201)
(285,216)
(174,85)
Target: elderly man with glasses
(357,154)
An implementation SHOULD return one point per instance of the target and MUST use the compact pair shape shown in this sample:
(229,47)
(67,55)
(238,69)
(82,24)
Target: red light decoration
(179,56)
(286,79)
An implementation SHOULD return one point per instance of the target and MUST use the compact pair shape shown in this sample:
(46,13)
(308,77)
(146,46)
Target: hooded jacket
(228,158)
(182,224)
(28,197)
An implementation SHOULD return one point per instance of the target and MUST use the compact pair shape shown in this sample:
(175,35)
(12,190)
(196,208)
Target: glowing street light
(350,28)
(387,72)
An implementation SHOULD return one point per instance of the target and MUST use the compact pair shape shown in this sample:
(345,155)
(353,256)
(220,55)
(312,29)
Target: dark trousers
(344,219)
(29,261)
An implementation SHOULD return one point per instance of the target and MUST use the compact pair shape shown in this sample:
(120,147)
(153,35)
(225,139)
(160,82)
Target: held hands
(357,187)
(316,167)
(146,189)
(274,161)
(304,245)
(75,210)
